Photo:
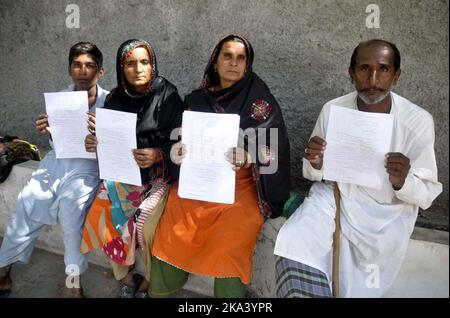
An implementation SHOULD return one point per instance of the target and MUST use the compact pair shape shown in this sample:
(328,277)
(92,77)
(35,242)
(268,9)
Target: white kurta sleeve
(421,185)
(320,131)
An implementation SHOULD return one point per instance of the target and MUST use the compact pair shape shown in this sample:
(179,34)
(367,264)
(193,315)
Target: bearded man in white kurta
(375,224)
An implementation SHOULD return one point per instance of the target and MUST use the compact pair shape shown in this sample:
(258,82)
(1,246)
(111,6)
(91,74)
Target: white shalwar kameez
(60,189)
(375,224)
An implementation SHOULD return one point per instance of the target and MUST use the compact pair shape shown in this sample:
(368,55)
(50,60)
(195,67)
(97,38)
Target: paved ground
(44,277)
(425,273)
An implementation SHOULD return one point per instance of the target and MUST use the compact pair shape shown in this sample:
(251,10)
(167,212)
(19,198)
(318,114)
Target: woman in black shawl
(218,239)
(123,217)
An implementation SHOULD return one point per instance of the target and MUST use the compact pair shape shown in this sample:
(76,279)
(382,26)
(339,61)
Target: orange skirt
(211,238)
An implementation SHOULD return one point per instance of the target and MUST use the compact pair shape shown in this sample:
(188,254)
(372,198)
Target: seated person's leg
(71,216)
(148,235)
(166,279)
(125,276)
(120,271)
(297,280)
(20,237)
(18,243)
(231,287)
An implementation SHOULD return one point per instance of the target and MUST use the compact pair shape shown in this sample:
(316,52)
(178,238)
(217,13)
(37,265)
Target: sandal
(127,291)
(141,294)
(72,292)
(139,280)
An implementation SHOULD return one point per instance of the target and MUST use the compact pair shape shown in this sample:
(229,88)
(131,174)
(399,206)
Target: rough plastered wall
(302,50)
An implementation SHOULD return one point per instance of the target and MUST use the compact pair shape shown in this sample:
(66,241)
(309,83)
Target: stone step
(425,272)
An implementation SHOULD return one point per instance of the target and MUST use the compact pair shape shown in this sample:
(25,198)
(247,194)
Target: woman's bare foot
(142,291)
(128,287)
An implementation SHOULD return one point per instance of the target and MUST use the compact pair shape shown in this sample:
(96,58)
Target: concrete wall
(302,47)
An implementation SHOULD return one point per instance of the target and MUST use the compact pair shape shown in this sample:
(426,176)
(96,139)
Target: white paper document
(67,118)
(205,173)
(357,143)
(116,137)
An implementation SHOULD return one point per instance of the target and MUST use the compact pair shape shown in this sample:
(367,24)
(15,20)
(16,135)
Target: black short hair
(397,58)
(86,48)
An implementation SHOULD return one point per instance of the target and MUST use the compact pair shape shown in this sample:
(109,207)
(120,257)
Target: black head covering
(159,110)
(211,77)
(124,51)
(251,99)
